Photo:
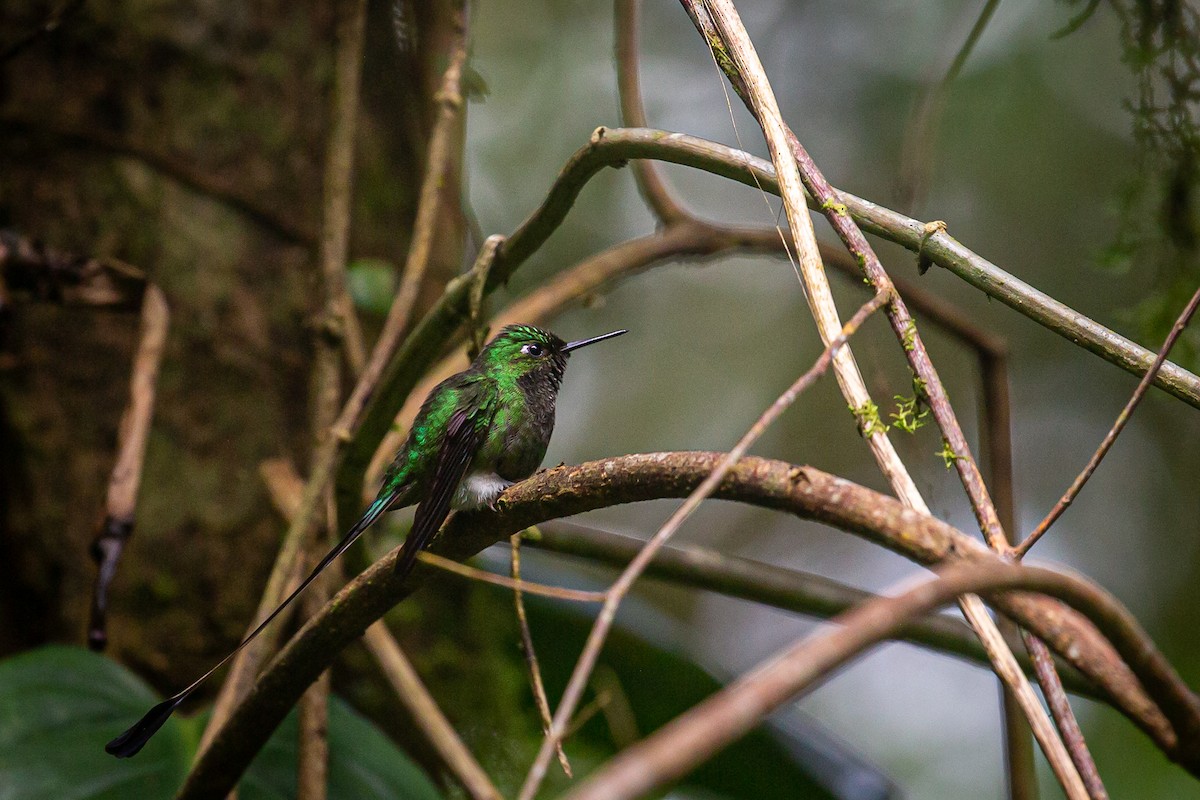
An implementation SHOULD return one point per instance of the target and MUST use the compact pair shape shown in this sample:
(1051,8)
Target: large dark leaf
(59,705)
(363,763)
(658,685)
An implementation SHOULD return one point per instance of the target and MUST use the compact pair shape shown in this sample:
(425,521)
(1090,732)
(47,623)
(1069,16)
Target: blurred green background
(1031,158)
(1032,153)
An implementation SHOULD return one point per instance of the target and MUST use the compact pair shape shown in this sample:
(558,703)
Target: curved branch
(700,732)
(613,147)
(691,239)
(941,248)
(778,587)
(804,491)
(598,635)
(686,239)
(650,182)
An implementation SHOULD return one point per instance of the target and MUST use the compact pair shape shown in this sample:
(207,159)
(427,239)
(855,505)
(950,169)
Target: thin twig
(771,585)
(312,757)
(338,332)
(339,316)
(1118,426)
(424,709)
(920,136)
(1147,690)
(121,500)
(1064,717)
(31,270)
(649,178)
(616,593)
(694,736)
(1047,677)
(1019,759)
(528,587)
(996,433)
(531,659)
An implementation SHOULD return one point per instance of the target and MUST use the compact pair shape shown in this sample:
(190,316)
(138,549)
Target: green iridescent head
(531,352)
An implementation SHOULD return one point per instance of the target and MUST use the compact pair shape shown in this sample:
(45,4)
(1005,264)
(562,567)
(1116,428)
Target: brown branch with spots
(1170,719)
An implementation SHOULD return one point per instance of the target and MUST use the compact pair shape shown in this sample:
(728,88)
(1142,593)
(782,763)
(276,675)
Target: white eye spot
(532,349)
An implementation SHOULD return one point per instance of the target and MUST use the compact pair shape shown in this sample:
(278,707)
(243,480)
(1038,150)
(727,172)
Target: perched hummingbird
(477,433)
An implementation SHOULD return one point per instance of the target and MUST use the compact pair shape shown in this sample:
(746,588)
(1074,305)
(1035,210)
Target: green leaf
(371,282)
(656,685)
(59,705)
(363,763)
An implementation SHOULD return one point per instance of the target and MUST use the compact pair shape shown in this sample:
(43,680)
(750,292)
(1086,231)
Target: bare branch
(920,135)
(804,491)
(339,171)
(121,503)
(690,739)
(1118,426)
(531,659)
(569,702)
(735,53)
(441,141)
(650,182)
(1064,717)
(416,698)
(515,584)
(1019,760)
(615,146)
(778,587)
(338,331)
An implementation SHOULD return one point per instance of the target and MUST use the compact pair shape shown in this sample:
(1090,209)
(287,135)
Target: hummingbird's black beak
(585,342)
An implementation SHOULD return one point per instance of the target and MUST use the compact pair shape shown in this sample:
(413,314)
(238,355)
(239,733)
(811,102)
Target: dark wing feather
(465,433)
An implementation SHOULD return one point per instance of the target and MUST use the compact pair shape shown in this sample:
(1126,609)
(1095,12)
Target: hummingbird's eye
(532,349)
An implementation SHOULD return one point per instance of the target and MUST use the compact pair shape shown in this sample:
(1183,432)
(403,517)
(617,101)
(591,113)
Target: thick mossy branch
(567,490)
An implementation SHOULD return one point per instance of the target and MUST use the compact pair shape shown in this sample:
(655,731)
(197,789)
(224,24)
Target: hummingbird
(477,433)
